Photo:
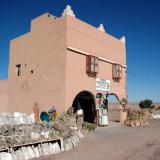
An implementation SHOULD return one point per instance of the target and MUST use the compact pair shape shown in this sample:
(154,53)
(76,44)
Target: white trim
(87,53)
(123,39)
(106,60)
(68,11)
(101,27)
(77,50)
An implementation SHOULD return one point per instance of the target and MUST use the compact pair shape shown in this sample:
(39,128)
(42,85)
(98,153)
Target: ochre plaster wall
(42,51)
(3,95)
(58,73)
(84,37)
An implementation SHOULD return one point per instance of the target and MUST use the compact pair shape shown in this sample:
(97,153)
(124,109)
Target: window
(117,71)
(18,67)
(92,65)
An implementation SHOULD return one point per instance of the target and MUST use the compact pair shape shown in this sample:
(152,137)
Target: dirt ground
(116,142)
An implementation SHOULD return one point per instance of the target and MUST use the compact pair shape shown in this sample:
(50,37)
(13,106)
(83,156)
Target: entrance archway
(113,94)
(86,101)
(113,108)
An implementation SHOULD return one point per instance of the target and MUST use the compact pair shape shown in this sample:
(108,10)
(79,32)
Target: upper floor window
(92,65)
(18,67)
(117,71)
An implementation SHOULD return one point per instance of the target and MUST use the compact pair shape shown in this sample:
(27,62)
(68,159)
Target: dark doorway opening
(86,100)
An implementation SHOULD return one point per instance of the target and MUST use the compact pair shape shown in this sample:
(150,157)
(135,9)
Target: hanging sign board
(102,85)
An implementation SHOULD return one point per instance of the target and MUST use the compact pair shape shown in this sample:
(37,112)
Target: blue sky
(138,20)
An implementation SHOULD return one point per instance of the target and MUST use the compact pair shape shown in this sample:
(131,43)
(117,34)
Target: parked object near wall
(102,117)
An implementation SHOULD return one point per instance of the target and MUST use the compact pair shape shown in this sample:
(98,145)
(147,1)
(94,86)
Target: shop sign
(102,85)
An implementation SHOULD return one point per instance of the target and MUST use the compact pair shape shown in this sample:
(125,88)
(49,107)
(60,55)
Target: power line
(143,77)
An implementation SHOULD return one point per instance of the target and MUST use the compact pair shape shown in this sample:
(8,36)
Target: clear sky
(138,20)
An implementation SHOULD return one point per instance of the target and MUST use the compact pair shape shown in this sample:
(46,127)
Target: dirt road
(117,142)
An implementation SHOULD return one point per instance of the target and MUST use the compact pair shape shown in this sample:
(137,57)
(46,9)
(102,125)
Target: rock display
(156,114)
(137,118)
(21,138)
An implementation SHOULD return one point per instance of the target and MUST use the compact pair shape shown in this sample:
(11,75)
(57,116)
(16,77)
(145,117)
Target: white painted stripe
(87,53)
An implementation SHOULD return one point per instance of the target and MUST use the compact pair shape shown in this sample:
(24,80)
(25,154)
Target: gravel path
(116,142)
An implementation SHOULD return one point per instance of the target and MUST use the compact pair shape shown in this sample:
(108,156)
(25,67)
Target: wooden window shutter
(96,65)
(113,71)
(88,64)
(92,64)
(116,71)
(120,71)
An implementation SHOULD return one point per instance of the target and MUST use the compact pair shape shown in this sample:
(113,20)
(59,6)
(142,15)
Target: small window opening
(18,66)
(49,15)
(31,71)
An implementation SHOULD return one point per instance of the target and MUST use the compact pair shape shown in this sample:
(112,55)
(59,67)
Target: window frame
(117,71)
(92,65)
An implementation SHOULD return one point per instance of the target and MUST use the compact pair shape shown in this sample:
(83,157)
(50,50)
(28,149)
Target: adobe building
(61,62)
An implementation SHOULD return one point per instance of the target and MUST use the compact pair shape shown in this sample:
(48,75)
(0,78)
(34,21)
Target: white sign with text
(102,85)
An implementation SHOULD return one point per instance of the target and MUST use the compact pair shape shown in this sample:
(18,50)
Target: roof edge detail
(68,11)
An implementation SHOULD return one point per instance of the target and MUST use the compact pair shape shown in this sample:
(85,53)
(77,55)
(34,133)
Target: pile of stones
(156,114)
(27,136)
(137,118)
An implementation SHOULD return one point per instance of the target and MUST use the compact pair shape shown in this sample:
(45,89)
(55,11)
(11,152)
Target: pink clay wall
(3,95)
(84,37)
(58,73)
(43,51)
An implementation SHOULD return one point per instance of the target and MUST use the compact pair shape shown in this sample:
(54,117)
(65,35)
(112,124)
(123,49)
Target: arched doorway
(113,94)
(113,108)
(86,100)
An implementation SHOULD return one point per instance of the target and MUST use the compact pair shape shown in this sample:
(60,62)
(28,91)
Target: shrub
(146,104)
(89,126)
(123,103)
